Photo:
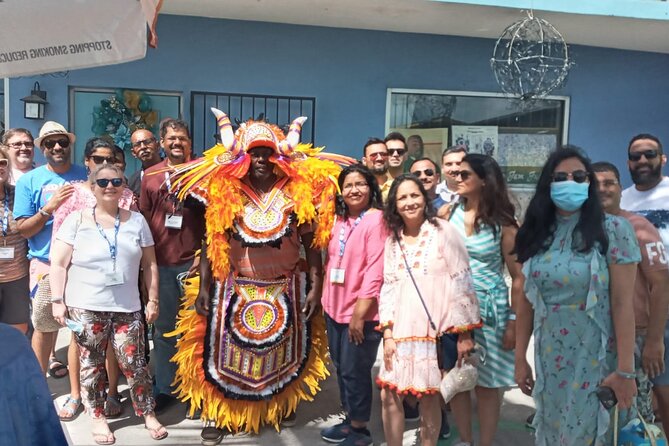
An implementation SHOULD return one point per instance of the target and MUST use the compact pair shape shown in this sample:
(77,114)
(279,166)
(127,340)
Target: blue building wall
(614,94)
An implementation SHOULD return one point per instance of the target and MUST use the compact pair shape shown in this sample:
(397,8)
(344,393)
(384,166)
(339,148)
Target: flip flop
(104,439)
(71,407)
(113,407)
(55,367)
(157,433)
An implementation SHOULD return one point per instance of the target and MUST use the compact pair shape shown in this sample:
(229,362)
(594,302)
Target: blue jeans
(169,292)
(354,367)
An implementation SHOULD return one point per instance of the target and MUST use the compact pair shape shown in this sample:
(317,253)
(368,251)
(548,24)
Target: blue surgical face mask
(569,195)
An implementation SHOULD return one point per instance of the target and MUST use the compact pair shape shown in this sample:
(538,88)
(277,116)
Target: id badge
(173,221)
(337,275)
(6,252)
(114,278)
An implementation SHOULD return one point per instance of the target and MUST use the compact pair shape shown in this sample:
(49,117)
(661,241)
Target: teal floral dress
(574,340)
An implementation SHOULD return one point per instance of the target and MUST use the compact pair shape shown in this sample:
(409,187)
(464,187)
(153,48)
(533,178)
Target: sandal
(57,369)
(113,406)
(103,438)
(70,409)
(157,433)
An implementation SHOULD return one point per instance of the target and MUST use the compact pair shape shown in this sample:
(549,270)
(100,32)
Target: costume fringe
(238,415)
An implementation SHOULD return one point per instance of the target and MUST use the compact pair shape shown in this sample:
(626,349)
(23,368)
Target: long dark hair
(536,233)
(495,208)
(375,197)
(392,217)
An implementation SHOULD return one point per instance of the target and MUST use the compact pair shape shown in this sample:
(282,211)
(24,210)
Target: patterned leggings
(126,332)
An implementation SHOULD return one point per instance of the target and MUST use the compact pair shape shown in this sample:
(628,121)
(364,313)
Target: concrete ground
(311,418)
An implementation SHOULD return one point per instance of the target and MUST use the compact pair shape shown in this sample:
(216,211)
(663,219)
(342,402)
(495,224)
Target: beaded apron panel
(257,341)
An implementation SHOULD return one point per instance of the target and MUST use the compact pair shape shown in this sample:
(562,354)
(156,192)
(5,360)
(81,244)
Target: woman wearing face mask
(579,267)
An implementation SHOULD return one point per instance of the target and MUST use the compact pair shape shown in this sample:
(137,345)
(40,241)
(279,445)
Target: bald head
(145,147)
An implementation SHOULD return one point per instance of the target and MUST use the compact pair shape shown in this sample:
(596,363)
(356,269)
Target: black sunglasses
(464,174)
(578,176)
(650,154)
(97,159)
(104,182)
(51,143)
(427,172)
(4,162)
(399,152)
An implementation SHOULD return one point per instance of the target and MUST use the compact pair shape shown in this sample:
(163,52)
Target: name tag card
(337,275)
(114,278)
(6,252)
(174,221)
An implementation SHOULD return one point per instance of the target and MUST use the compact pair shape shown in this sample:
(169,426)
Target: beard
(646,178)
(379,170)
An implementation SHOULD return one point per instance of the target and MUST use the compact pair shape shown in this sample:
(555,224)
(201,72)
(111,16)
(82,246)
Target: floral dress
(440,266)
(573,332)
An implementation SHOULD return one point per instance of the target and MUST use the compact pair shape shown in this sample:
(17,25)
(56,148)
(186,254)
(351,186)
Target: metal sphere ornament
(530,59)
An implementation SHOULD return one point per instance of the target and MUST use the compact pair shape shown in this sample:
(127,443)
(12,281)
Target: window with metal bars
(279,110)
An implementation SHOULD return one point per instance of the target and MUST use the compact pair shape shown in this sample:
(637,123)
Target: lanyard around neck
(117,225)
(5,215)
(343,238)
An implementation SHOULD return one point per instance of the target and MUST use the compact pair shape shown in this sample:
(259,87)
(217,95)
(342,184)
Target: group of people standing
(239,330)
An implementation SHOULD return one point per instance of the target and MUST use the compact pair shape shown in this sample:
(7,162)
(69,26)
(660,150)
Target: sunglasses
(97,159)
(4,162)
(51,143)
(649,154)
(464,174)
(378,155)
(427,172)
(578,176)
(104,182)
(398,152)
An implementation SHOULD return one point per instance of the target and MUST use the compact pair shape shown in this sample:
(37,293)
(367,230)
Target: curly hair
(495,208)
(375,197)
(536,233)
(391,216)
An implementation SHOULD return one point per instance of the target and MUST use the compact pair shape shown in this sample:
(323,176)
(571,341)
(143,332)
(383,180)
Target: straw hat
(53,128)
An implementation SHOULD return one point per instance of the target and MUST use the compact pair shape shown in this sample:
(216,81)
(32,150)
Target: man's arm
(29,226)
(202,300)
(652,357)
(315,265)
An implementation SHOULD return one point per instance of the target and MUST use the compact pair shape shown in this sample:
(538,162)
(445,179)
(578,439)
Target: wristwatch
(43,212)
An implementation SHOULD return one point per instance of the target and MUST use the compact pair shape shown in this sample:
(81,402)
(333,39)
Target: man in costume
(254,345)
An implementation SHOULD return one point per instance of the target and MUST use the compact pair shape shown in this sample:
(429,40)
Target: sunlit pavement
(311,418)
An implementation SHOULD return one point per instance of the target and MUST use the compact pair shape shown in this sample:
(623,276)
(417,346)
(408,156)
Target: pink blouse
(362,263)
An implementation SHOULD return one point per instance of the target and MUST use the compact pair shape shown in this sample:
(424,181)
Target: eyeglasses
(427,172)
(144,142)
(649,154)
(378,155)
(609,183)
(18,145)
(4,162)
(97,159)
(104,182)
(51,143)
(578,176)
(177,138)
(350,186)
(464,174)
(398,152)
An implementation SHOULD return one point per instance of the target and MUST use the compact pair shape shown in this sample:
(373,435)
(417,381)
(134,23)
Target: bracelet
(43,212)
(625,375)
(56,300)
(152,302)
(512,316)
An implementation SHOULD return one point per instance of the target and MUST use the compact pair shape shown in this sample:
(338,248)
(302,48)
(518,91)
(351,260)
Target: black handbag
(447,343)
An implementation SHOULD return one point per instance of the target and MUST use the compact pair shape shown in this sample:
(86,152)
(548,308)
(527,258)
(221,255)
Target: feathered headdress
(215,179)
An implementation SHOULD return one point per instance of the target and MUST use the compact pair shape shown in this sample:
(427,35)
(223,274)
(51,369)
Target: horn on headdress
(225,129)
(293,138)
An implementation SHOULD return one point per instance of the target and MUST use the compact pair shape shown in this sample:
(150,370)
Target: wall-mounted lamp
(33,105)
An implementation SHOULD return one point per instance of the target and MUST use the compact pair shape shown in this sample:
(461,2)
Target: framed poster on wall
(518,135)
(116,114)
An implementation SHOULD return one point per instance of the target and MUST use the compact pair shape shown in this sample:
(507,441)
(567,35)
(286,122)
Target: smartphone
(607,397)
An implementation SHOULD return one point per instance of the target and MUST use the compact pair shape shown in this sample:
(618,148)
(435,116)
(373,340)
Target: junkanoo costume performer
(257,353)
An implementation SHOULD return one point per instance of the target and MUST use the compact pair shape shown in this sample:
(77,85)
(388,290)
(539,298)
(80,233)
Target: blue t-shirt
(33,190)
(438,202)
